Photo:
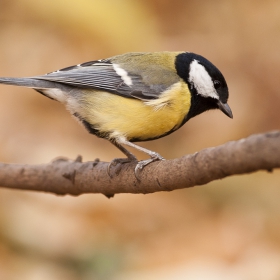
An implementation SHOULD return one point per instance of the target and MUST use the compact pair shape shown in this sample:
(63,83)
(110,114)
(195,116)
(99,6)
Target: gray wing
(102,75)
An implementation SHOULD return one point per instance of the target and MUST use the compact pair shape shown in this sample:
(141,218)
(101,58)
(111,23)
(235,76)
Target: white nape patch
(56,94)
(201,80)
(123,74)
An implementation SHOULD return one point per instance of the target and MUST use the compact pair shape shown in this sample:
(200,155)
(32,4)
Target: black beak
(225,109)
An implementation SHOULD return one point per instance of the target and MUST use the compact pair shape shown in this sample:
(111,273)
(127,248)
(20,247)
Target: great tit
(135,96)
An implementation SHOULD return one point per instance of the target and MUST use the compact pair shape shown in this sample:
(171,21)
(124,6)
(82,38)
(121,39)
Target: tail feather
(27,82)
(50,89)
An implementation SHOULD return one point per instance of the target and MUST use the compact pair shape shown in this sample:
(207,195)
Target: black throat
(199,104)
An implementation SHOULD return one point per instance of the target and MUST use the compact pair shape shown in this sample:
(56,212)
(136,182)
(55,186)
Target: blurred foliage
(228,229)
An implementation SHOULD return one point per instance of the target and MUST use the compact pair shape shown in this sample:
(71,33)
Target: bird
(134,97)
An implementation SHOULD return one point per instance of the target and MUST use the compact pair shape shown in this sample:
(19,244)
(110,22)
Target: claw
(119,162)
(130,157)
(141,164)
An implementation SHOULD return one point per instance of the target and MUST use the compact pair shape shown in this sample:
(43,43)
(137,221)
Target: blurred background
(228,229)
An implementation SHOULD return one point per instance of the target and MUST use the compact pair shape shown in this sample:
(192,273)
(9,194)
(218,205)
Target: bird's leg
(130,157)
(141,164)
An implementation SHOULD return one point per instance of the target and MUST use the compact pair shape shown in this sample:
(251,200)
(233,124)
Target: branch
(63,176)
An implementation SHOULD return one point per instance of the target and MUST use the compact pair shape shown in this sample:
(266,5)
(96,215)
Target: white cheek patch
(201,80)
(123,74)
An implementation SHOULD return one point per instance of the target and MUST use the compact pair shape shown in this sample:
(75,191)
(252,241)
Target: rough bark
(63,176)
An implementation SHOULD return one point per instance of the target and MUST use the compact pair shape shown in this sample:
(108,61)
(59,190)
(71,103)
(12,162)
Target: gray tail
(26,82)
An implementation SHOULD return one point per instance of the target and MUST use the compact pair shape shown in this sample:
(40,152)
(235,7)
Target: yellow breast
(136,119)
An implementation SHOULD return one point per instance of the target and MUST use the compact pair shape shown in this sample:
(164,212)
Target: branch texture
(63,176)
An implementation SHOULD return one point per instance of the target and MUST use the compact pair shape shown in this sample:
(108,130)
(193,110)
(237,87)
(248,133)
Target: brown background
(229,229)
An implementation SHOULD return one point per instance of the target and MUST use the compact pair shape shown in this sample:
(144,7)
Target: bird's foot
(141,164)
(117,162)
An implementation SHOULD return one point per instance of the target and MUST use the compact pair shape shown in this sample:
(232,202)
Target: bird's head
(207,85)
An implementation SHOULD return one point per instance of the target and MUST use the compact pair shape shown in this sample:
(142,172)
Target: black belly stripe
(90,128)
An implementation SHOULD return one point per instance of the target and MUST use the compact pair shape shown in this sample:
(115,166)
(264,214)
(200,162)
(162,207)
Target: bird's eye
(217,84)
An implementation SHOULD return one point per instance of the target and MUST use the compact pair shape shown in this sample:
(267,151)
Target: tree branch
(63,176)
